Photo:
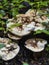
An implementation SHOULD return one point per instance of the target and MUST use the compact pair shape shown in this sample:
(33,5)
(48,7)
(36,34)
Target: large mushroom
(23,24)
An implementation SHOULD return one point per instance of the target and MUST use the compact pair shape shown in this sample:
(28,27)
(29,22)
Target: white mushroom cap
(40,46)
(7,54)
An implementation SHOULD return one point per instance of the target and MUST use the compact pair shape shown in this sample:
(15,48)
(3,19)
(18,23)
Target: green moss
(2,45)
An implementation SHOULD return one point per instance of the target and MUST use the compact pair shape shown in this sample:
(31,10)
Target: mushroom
(31,21)
(35,44)
(9,51)
(13,37)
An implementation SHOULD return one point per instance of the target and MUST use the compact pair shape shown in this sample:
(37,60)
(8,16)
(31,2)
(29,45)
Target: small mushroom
(35,44)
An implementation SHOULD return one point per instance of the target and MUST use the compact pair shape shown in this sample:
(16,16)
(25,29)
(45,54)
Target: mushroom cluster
(19,26)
